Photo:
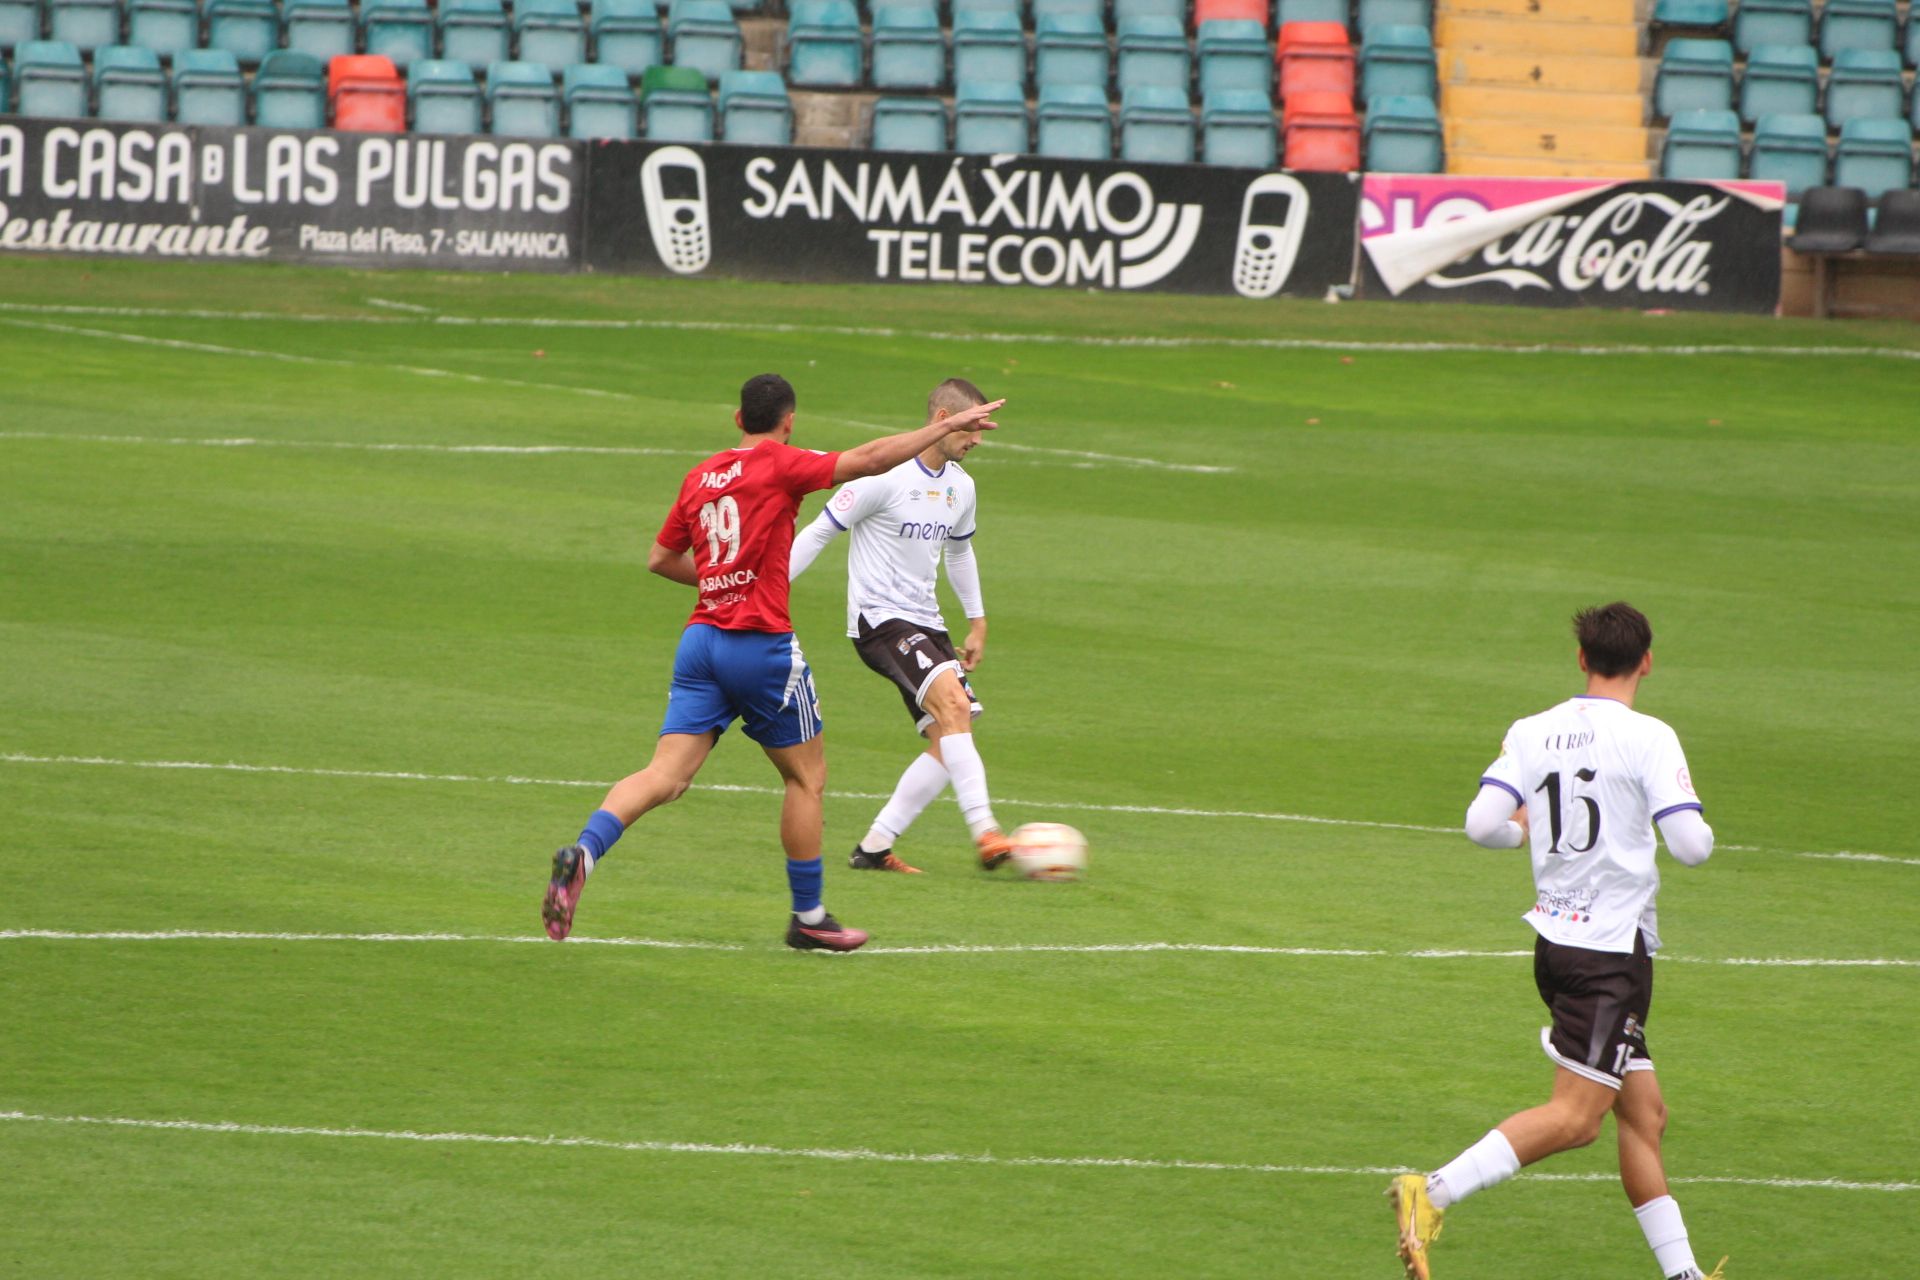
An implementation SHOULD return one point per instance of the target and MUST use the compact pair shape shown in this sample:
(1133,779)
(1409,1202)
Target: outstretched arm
(888,452)
(809,543)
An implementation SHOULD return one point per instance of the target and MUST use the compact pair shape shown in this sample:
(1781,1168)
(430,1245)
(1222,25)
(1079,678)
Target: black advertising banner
(355,199)
(1572,242)
(811,214)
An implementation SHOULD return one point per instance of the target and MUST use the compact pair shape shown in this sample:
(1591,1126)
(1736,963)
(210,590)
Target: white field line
(1038,339)
(937,949)
(253,442)
(1864,857)
(867,1155)
(209,348)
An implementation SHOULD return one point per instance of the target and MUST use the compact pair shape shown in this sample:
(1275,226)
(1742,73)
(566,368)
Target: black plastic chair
(1832,220)
(1896,229)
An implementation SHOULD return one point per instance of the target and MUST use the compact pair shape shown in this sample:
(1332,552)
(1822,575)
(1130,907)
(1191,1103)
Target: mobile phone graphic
(1273,217)
(673,184)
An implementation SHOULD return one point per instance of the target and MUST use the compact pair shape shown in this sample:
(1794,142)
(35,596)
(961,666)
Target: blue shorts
(760,677)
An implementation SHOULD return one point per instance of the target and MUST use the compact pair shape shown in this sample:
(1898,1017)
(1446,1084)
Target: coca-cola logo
(1635,241)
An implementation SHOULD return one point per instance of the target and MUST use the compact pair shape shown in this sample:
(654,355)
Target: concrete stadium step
(760,43)
(1572,144)
(1616,12)
(1500,166)
(1479,31)
(831,119)
(1501,102)
(1560,73)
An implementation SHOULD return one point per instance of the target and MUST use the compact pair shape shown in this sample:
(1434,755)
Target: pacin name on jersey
(722,581)
(720,479)
(929,531)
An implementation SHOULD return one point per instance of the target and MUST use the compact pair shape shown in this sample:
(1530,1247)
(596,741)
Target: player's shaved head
(953,395)
(1613,636)
(765,400)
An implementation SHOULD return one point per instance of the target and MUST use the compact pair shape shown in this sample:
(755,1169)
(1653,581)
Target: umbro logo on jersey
(921,658)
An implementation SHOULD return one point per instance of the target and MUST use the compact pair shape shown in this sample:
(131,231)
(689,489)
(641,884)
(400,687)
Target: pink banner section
(1407,202)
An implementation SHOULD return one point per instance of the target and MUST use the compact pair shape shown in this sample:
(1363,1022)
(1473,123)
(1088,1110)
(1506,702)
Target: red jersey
(735,513)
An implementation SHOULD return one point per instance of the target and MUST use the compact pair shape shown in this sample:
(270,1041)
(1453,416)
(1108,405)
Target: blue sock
(601,831)
(804,878)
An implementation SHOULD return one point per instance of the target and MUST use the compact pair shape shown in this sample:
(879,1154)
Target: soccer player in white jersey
(1586,782)
(904,522)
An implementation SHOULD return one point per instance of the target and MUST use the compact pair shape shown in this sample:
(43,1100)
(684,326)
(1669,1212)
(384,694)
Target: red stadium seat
(1315,56)
(366,94)
(1323,134)
(360,66)
(1332,34)
(1260,11)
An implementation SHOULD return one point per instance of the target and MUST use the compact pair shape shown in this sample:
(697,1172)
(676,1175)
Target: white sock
(813,916)
(1486,1162)
(1667,1237)
(969,782)
(918,787)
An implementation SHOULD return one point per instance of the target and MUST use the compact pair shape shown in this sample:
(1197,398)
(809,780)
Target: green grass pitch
(1235,582)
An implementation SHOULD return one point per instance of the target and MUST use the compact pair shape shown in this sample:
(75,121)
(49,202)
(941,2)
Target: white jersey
(901,521)
(1595,776)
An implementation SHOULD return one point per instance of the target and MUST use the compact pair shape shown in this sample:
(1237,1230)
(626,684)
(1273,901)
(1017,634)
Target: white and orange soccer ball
(1049,851)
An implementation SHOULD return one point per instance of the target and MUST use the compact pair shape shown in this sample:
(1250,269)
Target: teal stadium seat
(1910,48)
(1071,48)
(600,102)
(1701,146)
(6,87)
(989,118)
(1694,75)
(626,34)
(551,33)
(1790,149)
(323,28)
(1865,84)
(1777,22)
(705,36)
(1285,11)
(49,80)
(521,102)
(755,109)
(992,6)
(444,97)
(1236,128)
(1071,122)
(1780,80)
(1392,13)
(678,105)
(399,30)
(1126,10)
(474,32)
(1398,61)
(208,88)
(1857,24)
(1691,15)
(129,85)
(1233,54)
(85,24)
(1874,155)
(168,27)
(1095,9)
(908,50)
(19,22)
(989,44)
(1402,134)
(824,48)
(290,91)
(1156,126)
(909,124)
(248,29)
(1153,50)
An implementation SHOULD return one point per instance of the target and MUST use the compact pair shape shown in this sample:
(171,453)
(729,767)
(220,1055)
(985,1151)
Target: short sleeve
(1504,772)
(1668,783)
(675,533)
(802,471)
(856,500)
(963,525)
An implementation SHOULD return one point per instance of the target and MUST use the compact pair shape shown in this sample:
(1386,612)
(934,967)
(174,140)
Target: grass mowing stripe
(253,442)
(881,1157)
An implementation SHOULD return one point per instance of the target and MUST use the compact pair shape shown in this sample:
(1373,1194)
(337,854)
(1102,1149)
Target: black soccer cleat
(861,860)
(828,935)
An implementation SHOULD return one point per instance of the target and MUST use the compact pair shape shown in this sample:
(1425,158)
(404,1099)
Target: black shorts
(1599,1001)
(911,657)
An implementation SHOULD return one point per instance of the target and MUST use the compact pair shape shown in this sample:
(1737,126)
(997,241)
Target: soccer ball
(1049,851)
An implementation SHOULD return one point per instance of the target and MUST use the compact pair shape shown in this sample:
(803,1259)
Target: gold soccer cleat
(1419,1222)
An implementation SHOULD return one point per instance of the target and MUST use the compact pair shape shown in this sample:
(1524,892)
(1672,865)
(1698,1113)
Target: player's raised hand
(975,418)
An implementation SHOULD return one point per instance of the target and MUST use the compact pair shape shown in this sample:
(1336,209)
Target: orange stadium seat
(1315,56)
(1260,11)
(1323,134)
(366,94)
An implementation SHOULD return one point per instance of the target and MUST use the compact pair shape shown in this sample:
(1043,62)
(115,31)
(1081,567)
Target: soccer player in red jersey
(728,535)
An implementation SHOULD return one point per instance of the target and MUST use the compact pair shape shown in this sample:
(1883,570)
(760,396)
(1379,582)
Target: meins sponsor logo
(924,531)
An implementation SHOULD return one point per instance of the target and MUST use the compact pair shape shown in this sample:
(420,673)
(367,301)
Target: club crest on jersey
(950,499)
(845,501)
(721,479)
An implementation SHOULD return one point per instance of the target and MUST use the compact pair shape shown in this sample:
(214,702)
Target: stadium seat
(908,50)
(626,34)
(444,97)
(129,85)
(1777,22)
(1236,128)
(1780,79)
(705,36)
(1234,54)
(1322,134)
(365,94)
(755,109)
(1790,149)
(551,33)
(401,30)
(1392,13)
(6,87)
(1896,225)
(85,24)
(600,102)
(19,22)
(248,29)
(1072,122)
(1702,146)
(1156,126)
(521,101)
(208,89)
(678,106)
(986,6)
(1869,25)
(323,28)
(474,32)
(1315,57)
(1153,50)
(989,118)
(1832,220)
(1403,135)
(1874,155)
(290,91)
(824,48)
(909,124)
(1286,11)
(1127,10)
(1398,61)
(1071,48)
(1910,46)
(49,80)
(991,45)
(1691,15)
(1254,11)
(1694,75)
(1095,9)
(168,27)
(1865,84)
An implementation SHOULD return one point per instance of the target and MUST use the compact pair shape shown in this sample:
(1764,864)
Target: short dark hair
(955,395)
(765,399)
(1613,636)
